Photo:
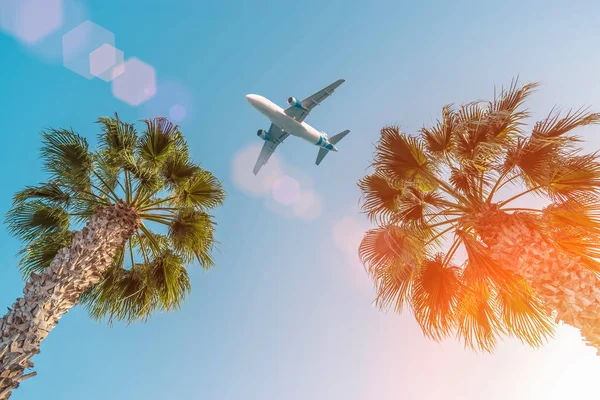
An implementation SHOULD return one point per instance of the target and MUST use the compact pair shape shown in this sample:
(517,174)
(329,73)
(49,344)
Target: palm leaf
(438,140)
(157,141)
(116,136)
(575,175)
(435,296)
(379,197)
(383,246)
(202,191)
(512,98)
(503,118)
(51,192)
(464,179)
(554,126)
(584,248)
(482,267)
(581,213)
(66,157)
(169,280)
(393,284)
(524,313)
(122,295)
(477,317)
(31,219)
(470,131)
(402,158)
(191,235)
(536,160)
(179,169)
(414,205)
(40,252)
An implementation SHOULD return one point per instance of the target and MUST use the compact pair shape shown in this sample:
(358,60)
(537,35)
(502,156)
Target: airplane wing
(299,114)
(276,136)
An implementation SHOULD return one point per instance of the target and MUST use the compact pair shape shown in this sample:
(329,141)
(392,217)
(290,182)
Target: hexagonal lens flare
(172,99)
(80,42)
(136,84)
(104,60)
(31,20)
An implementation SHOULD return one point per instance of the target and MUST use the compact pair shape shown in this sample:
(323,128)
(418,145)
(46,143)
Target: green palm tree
(143,204)
(453,187)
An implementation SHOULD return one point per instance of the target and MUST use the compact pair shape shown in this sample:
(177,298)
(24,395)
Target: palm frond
(536,160)
(67,158)
(202,191)
(146,181)
(435,295)
(477,318)
(39,253)
(464,179)
(106,172)
(394,284)
(513,97)
(413,206)
(579,213)
(122,295)
(438,140)
(482,267)
(470,131)
(117,137)
(154,244)
(191,235)
(391,244)
(402,158)
(586,249)
(379,197)
(179,169)
(157,141)
(51,192)
(575,175)
(169,280)
(554,126)
(524,313)
(32,219)
(503,119)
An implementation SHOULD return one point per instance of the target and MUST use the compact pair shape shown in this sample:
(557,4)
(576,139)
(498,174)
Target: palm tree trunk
(570,292)
(51,294)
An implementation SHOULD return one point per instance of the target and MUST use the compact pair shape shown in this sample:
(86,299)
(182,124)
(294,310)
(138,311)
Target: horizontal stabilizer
(321,155)
(333,140)
(336,138)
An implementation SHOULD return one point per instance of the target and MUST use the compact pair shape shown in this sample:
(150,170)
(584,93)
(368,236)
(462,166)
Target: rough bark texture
(570,292)
(48,296)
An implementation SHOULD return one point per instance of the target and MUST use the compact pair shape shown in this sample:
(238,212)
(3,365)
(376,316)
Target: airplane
(291,122)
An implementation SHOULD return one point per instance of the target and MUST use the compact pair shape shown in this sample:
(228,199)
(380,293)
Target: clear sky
(288,313)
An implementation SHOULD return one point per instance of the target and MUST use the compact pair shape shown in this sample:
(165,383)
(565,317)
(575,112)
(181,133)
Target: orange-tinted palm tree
(446,189)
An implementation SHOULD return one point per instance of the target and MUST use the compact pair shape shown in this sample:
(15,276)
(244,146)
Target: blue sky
(287,313)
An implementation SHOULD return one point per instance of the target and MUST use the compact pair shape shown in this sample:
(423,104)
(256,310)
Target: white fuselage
(277,116)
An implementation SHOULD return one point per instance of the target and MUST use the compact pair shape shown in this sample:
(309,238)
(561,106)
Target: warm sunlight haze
(447,251)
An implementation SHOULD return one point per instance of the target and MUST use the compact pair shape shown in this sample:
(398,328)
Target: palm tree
(453,187)
(144,204)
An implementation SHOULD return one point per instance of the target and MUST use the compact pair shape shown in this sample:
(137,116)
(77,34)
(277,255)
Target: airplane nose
(252,98)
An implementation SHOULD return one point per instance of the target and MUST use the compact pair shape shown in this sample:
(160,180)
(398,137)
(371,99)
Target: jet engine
(292,101)
(264,135)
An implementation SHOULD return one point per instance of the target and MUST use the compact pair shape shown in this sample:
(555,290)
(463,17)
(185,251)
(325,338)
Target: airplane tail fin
(333,140)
